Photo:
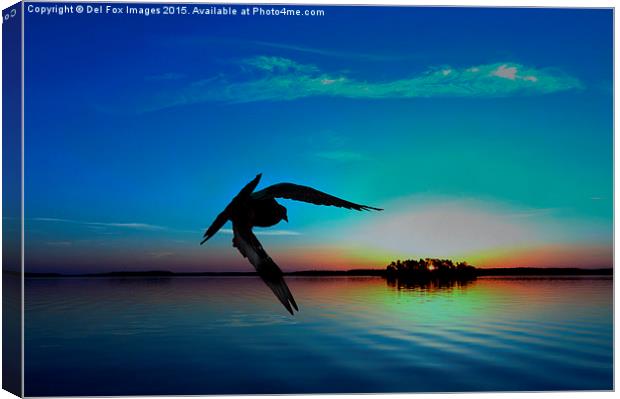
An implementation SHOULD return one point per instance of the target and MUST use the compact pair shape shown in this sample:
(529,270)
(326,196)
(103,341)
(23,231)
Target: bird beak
(286,218)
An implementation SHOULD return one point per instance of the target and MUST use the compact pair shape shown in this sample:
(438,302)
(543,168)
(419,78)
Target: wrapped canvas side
(12,200)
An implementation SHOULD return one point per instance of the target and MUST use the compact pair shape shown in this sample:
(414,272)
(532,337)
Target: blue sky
(486,134)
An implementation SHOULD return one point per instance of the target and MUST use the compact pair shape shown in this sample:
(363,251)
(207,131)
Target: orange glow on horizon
(552,255)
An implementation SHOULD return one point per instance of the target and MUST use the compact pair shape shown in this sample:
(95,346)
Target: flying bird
(250,209)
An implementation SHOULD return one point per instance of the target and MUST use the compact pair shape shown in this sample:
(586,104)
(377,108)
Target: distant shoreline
(510,271)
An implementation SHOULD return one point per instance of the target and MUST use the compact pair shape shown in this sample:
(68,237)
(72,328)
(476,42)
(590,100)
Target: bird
(249,209)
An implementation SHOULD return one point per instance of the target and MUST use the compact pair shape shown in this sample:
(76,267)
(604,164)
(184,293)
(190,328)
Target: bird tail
(275,281)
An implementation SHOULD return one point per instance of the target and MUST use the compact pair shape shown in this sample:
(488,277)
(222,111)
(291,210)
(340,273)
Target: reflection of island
(437,284)
(429,274)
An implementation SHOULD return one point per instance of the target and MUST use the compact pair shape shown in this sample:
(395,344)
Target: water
(191,335)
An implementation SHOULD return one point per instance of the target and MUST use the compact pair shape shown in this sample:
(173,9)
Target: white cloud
(53,220)
(266,78)
(267,232)
(128,225)
(506,72)
(141,226)
(512,73)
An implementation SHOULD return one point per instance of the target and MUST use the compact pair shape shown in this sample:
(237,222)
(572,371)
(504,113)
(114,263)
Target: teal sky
(486,134)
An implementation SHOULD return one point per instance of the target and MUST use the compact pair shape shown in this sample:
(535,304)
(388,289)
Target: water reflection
(428,284)
(192,336)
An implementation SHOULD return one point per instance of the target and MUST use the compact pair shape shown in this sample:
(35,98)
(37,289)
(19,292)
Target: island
(430,268)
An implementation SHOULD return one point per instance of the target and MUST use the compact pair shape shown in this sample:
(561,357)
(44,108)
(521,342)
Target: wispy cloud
(333,53)
(267,232)
(128,225)
(279,65)
(252,45)
(141,226)
(265,78)
(52,220)
(152,227)
(334,147)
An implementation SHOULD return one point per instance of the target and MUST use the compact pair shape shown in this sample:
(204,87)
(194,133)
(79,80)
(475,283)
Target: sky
(485,134)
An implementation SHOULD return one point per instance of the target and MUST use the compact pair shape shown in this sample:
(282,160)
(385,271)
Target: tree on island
(430,268)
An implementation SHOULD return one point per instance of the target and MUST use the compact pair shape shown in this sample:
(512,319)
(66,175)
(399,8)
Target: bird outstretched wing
(249,246)
(307,194)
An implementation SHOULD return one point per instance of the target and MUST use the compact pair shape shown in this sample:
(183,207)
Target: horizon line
(316,272)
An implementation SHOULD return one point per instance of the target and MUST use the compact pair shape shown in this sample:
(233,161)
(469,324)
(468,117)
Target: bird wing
(249,246)
(307,194)
(247,190)
(224,216)
(217,224)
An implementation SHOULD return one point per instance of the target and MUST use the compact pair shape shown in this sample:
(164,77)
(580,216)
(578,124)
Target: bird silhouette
(250,209)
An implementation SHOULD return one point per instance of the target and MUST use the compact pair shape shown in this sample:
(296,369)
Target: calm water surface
(190,335)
